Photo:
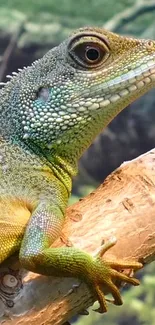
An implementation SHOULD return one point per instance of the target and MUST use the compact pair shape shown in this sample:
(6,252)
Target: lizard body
(50,113)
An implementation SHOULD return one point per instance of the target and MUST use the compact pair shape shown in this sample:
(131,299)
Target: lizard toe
(105,274)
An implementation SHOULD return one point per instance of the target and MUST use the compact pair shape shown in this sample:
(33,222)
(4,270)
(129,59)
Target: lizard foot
(106,273)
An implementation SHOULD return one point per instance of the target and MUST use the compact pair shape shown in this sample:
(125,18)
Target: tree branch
(123,206)
(128,15)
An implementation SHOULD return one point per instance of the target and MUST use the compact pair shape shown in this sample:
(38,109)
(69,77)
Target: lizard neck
(71,145)
(54,162)
(30,157)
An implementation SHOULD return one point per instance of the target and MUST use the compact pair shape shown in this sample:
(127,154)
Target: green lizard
(50,113)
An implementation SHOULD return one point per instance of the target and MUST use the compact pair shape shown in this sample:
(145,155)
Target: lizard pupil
(92,54)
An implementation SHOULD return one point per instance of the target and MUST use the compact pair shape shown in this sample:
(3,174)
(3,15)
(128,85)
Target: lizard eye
(89,51)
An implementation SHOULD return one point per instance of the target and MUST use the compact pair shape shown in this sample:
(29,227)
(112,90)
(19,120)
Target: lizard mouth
(134,86)
(129,85)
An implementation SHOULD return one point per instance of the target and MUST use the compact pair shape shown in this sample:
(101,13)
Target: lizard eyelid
(89,51)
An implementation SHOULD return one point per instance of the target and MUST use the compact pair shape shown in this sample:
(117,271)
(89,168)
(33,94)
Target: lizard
(50,113)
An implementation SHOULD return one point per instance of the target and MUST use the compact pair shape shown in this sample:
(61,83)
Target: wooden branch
(140,7)
(123,206)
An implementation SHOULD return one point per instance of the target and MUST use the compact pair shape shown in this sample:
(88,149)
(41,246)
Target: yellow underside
(14,215)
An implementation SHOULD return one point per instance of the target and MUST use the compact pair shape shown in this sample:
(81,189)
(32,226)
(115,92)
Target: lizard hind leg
(36,255)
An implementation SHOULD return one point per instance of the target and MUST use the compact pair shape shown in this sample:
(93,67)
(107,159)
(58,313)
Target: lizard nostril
(150,44)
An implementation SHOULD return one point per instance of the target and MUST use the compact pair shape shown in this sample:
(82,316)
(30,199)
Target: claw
(74,287)
(112,301)
(84,312)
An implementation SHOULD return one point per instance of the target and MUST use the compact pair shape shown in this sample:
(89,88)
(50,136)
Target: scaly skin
(50,113)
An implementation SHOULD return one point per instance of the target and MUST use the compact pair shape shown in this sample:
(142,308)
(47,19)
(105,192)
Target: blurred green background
(30,28)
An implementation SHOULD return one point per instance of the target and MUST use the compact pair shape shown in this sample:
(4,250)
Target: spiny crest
(10,77)
(15,74)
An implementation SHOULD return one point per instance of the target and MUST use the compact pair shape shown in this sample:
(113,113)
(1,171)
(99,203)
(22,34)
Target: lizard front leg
(36,255)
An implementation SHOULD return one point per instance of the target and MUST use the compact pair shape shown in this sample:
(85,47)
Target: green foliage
(50,21)
(88,9)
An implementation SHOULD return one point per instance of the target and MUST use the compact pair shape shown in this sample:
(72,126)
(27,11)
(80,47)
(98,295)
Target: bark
(123,206)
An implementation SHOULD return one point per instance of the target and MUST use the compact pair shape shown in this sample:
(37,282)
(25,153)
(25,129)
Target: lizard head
(66,98)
